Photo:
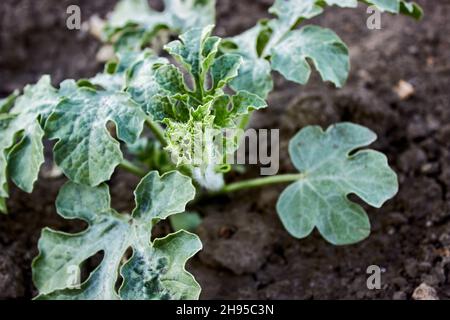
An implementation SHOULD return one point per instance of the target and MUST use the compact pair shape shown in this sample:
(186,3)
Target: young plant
(192,115)
(214,87)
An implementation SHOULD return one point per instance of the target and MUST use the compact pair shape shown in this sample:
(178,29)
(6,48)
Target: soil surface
(247,254)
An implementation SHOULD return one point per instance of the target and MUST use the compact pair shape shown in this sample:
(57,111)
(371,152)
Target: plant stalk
(132,168)
(157,130)
(259,182)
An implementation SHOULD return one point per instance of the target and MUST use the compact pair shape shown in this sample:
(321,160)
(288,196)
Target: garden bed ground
(247,254)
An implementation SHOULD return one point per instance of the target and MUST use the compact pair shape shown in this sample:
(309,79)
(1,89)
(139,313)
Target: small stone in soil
(425,292)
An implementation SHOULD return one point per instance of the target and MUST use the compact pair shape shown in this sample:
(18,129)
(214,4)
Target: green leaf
(192,104)
(133,21)
(290,13)
(145,89)
(155,269)
(332,167)
(21,133)
(255,72)
(326,50)
(195,51)
(162,267)
(224,69)
(398,6)
(230,110)
(276,40)
(85,150)
(114,76)
(109,82)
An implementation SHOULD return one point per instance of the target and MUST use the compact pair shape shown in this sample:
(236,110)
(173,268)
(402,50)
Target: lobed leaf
(255,72)
(290,13)
(114,76)
(21,133)
(274,44)
(192,102)
(331,169)
(85,150)
(154,271)
(328,53)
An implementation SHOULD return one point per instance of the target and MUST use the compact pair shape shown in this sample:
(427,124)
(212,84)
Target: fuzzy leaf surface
(156,268)
(197,138)
(255,72)
(86,151)
(327,51)
(21,134)
(330,171)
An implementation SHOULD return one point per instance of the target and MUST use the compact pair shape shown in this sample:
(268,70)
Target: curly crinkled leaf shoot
(195,109)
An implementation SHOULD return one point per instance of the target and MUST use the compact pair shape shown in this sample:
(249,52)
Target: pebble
(425,292)
(404,90)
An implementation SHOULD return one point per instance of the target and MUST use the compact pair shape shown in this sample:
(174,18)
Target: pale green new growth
(331,170)
(190,109)
(154,271)
(21,133)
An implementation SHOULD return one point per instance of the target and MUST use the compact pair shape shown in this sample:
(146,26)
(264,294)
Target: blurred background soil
(247,254)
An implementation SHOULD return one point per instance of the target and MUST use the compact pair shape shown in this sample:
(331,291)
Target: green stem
(157,130)
(245,120)
(199,87)
(259,182)
(132,168)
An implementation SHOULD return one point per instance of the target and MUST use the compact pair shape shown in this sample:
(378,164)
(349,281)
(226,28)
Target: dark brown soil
(247,254)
